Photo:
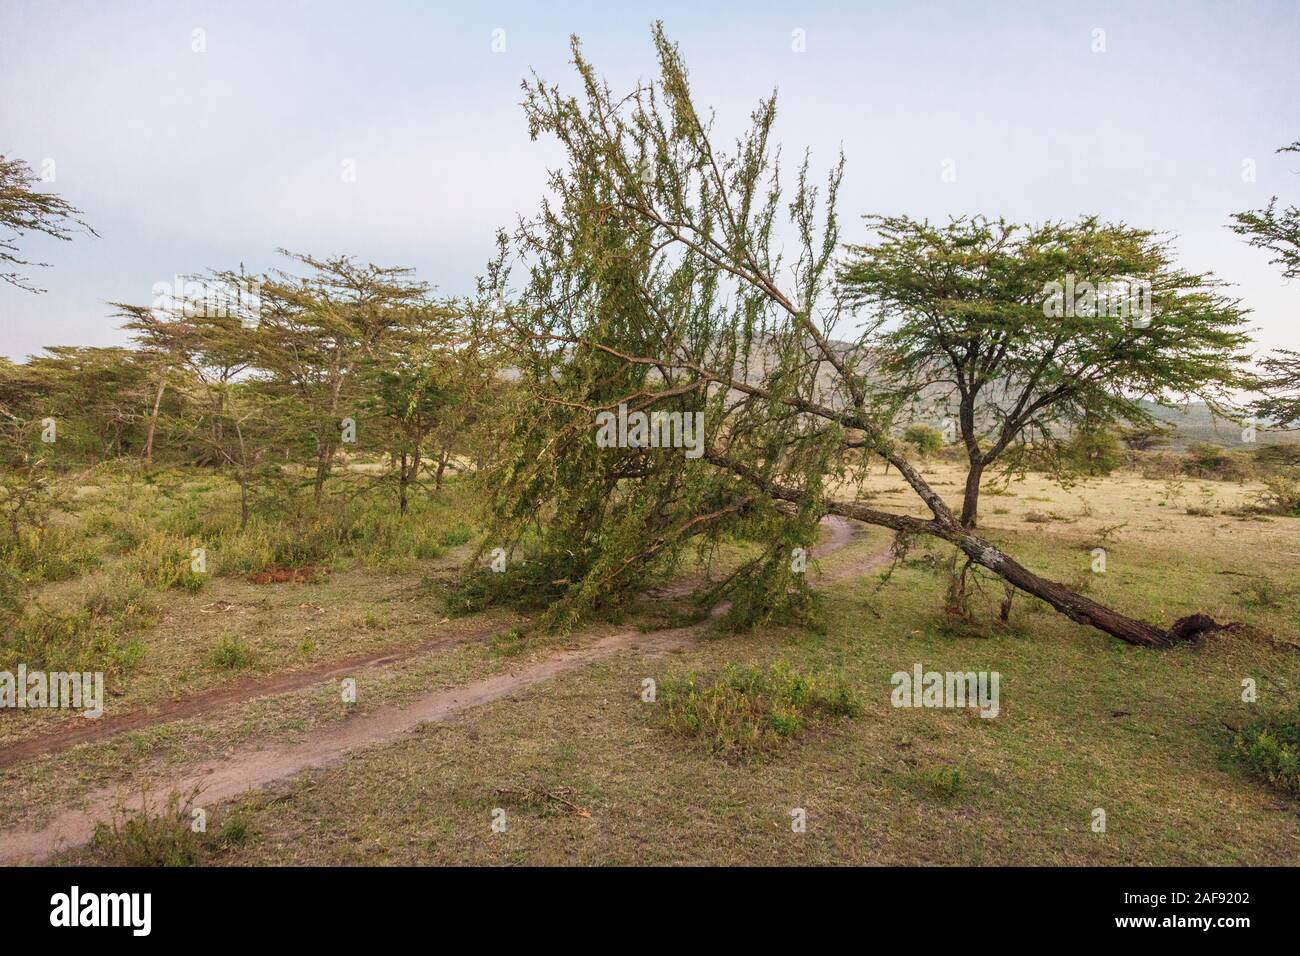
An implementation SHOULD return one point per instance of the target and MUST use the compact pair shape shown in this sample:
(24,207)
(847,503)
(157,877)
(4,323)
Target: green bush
(230,653)
(745,711)
(1204,460)
(1094,451)
(926,439)
(1281,494)
(1270,749)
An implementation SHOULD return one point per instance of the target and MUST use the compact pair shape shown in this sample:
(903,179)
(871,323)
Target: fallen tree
(655,284)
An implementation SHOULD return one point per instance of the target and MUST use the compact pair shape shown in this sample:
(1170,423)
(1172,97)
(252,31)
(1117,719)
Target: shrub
(1094,451)
(164,837)
(1281,494)
(230,653)
(926,439)
(1204,460)
(745,711)
(1270,749)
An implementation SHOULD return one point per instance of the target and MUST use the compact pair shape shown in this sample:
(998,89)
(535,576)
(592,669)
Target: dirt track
(225,779)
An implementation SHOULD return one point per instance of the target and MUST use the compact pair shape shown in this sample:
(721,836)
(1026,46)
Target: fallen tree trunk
(1060,597)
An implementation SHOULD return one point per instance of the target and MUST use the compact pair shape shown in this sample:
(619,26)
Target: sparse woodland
(850,369)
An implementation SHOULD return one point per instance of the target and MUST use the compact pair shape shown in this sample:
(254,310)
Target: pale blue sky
(184,161)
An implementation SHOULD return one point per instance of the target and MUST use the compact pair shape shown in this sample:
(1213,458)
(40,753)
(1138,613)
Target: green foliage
(1094,451)
(1281,495)
(1211,461)
(101,635)
(926,439)
(1276,228)
(230,653)
(744,712)
(1269,748)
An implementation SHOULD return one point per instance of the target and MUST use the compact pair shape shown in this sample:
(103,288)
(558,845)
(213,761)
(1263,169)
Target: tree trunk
(1073,605)
(153,421)
(324,463)
(437,477)
(401,484)
(970,501)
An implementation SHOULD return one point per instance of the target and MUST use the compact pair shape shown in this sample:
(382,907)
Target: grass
(139,611)
(1269,748)
(175,834)
(744,711)
(1085,722)
(230,653)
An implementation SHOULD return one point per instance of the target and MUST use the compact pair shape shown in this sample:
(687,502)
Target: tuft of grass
(165,836)
(745,711)
(163,561)
(230,653)
(944,781)
(510,644)
(101,635)
(1269,749)
(148,838)
(1261,592)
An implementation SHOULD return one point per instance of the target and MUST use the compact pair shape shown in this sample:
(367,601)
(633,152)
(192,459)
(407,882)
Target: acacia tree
(1024,334)
(315,333)
(27,485)
(409,392)
(1278,231)
(24,209)
(655,283)
(228,414)
(95,394)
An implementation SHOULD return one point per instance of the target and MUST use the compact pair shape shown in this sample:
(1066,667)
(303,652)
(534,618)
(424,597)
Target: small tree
(1278,231)
(1145,437)
(1093,450)
(25,209)
(1024,333)
(409,392)
(926,439)
(655,286)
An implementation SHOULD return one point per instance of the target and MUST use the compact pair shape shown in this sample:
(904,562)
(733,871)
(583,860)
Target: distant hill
(1196,423)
